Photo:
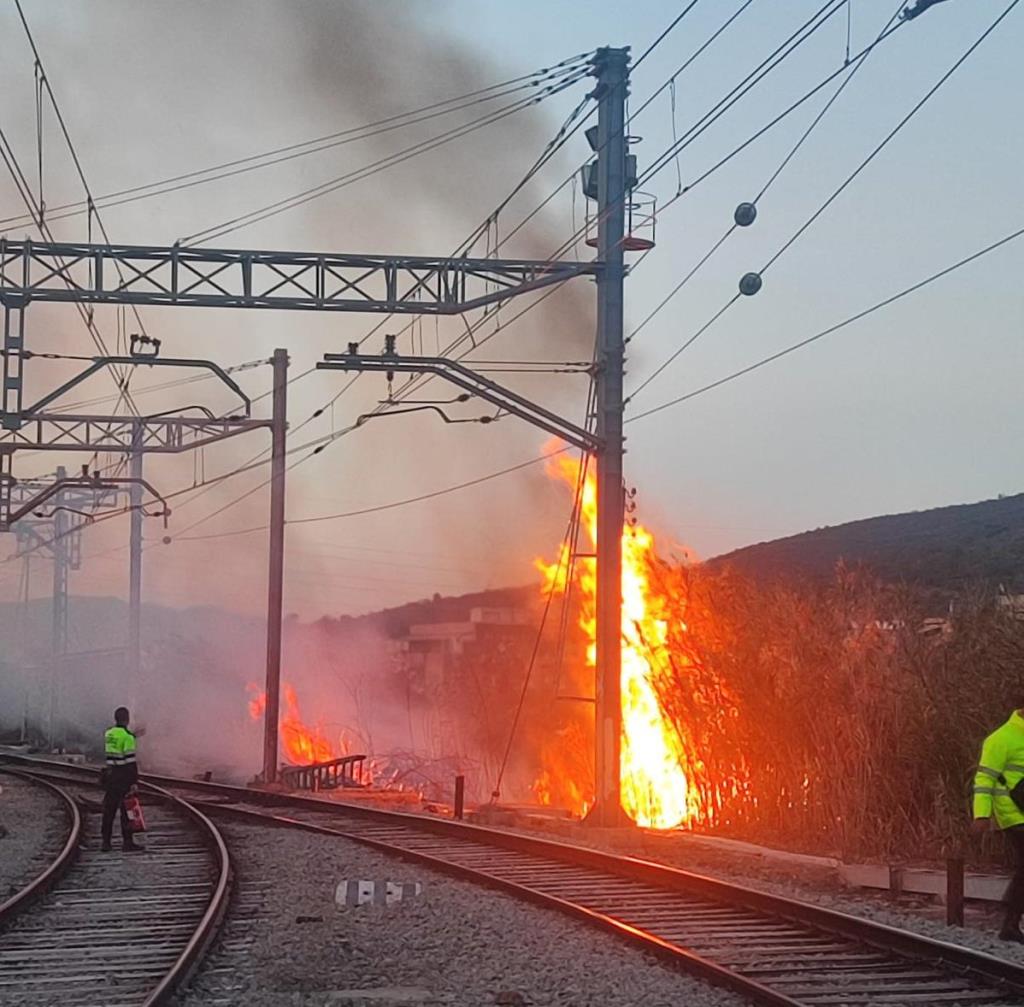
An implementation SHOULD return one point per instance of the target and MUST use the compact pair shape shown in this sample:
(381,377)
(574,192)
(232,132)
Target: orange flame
(301,744)
(658,791)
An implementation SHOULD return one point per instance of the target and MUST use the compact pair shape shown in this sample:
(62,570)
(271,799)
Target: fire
(301,744)
(658,765)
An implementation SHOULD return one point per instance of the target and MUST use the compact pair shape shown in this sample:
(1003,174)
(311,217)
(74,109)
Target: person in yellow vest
(996,795)
(119,776)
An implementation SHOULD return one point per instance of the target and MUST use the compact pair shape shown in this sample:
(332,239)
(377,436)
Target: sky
(914,407)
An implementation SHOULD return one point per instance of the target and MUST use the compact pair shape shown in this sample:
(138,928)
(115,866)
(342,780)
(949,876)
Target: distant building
(431,651)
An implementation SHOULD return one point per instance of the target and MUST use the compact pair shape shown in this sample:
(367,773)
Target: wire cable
(330,141)
(857,64)
(770,63)
(830,200)
(45,81)
(472,329)
(895,130)
(771,358)
(661,38)
(417,382)
(381,164)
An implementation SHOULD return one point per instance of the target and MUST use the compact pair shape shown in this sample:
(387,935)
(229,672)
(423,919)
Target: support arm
(475,384)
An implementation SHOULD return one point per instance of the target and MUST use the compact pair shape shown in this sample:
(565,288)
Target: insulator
(750,284)
(745,215)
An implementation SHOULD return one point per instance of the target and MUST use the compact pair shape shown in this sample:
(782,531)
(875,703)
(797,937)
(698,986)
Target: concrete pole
(275,593)
(59,624)
(23,616)
(135,563)
(611,69)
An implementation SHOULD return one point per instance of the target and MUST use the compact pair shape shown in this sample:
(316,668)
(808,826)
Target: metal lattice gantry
(318,281)
(150,434)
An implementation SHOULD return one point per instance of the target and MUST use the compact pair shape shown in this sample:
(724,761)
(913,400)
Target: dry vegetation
(849,729)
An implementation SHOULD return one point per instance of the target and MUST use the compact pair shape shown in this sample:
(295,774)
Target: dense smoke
(230,79)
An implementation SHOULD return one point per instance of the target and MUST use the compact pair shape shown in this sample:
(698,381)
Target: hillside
(943,549)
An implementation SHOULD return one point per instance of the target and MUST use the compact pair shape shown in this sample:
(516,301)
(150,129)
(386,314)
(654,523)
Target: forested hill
(944,549)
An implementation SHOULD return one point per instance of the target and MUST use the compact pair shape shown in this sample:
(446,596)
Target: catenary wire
(832,198)
(921,284)
(856,63)
(729,21)
(771,358)
(661,38)
(399,157)
(254,162)
(407,388)
(65,132)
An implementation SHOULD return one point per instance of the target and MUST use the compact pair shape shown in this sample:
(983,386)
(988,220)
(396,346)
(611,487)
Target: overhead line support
(467,379)
(230,278)
(611,67)
(176,276)
(275,588)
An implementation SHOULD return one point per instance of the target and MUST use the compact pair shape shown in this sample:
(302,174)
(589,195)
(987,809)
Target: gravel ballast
(36,829)
(916,913)
(455,944)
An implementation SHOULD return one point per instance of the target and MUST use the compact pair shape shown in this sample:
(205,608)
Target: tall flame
(657,789)
(301,743)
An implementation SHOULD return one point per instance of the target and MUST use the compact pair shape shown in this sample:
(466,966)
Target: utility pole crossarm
(172,275)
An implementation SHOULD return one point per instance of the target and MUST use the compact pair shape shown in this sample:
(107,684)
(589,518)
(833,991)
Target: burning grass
(663,778)
(820,717)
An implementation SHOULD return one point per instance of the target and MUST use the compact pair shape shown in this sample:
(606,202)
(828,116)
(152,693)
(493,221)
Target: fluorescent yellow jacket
(119,746)
(1000,769)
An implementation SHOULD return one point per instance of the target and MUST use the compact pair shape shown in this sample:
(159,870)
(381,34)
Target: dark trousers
(115,790)
(1014,897)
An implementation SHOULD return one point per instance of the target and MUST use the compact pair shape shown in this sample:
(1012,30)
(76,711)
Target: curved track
(120,929)
(38,885)
(772,950)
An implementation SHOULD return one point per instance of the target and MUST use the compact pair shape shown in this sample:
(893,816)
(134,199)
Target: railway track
(769,949)
(53,866)
(117,929)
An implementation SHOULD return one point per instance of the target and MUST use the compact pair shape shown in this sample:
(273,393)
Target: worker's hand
(138,731)
(981,825)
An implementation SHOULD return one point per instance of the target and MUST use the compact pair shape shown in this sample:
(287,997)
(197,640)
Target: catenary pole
(275,593)
(611,67)
(135,562)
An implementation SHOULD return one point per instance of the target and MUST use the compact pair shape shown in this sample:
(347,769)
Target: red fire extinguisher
(133,808)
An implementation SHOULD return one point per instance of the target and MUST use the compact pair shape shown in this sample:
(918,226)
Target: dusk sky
(917,406)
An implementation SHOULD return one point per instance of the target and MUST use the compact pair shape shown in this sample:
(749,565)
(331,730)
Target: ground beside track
(820,886)
(36,828)
(456,944)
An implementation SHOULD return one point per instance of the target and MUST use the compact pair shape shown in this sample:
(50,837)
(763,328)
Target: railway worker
(119,776)
(999,793)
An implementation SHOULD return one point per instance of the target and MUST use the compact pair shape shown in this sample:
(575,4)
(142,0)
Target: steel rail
(204,932)
(169,977)
(40,884)
(735,918)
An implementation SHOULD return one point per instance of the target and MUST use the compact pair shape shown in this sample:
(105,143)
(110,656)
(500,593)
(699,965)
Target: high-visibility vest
(119,745)
(1001,767)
